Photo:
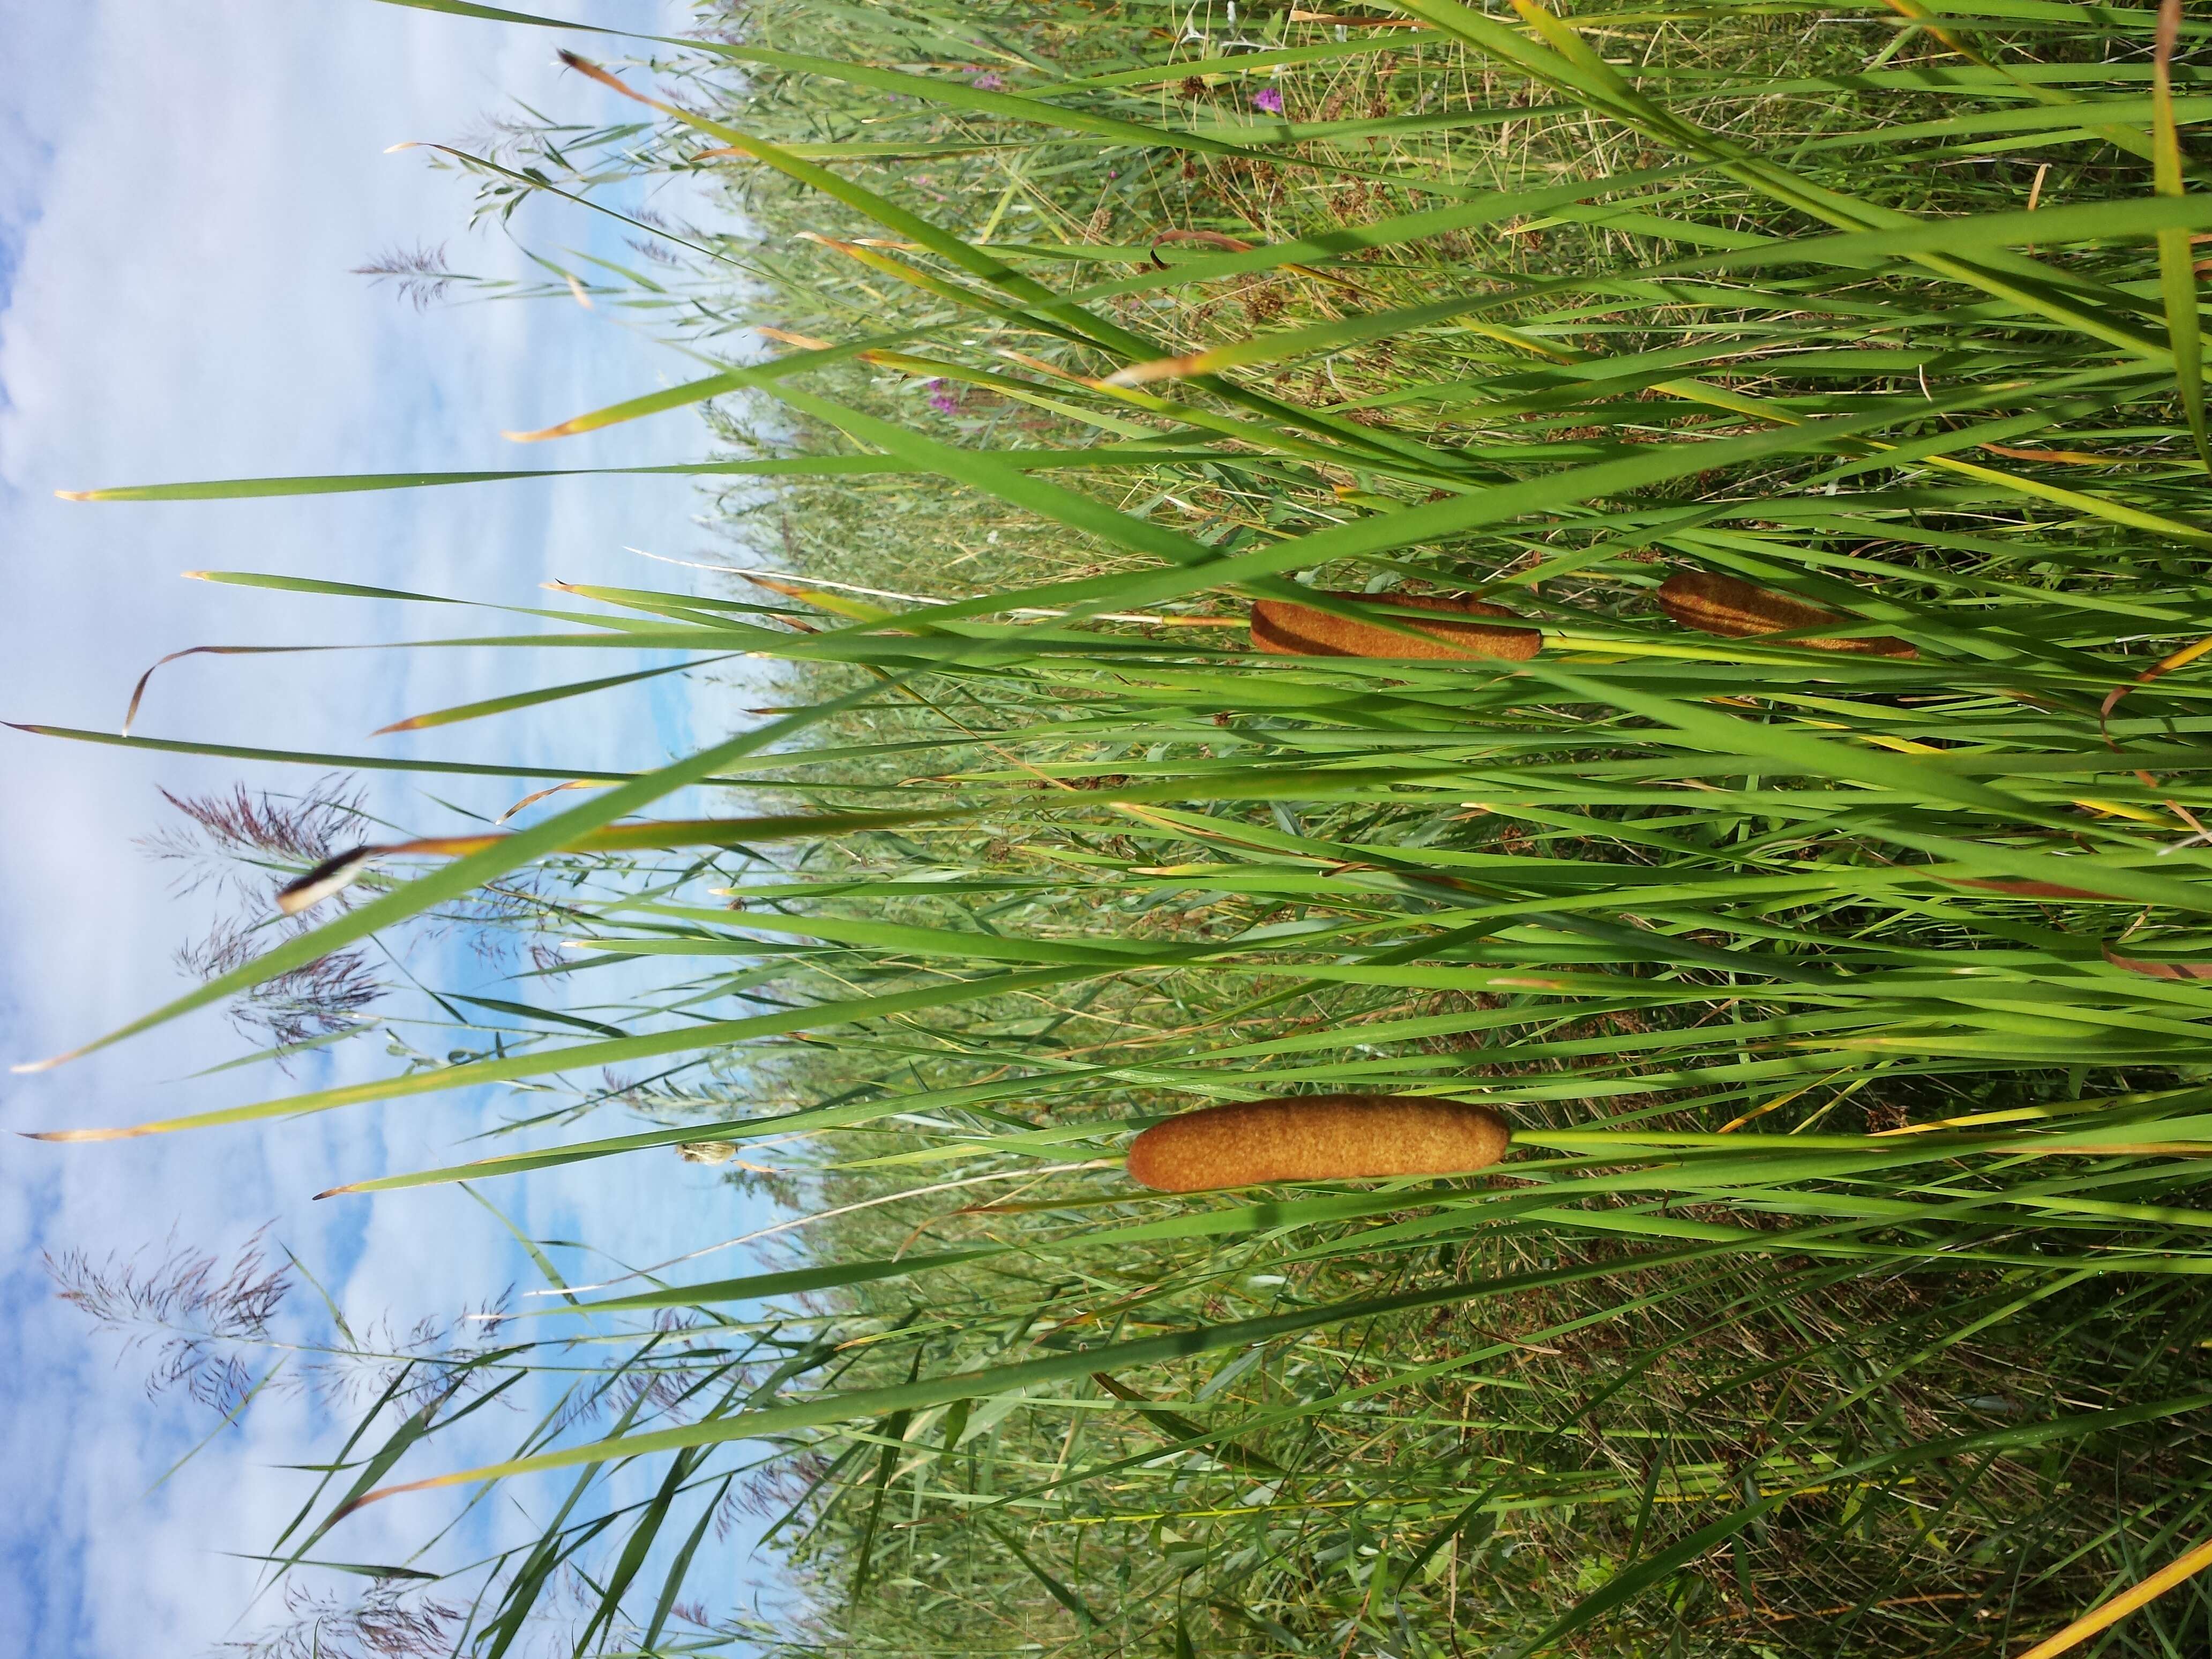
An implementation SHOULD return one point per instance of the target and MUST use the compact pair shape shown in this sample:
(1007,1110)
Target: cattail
(1290,629)
(1317,1138)
(1736,610)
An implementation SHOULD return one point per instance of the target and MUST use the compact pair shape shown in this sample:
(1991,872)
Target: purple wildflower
(939,399)
(989,81)
(1268,100)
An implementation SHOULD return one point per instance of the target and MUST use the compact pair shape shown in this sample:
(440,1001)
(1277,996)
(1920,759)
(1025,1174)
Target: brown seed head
(1284,628)
(1736,609)
(1317,1138)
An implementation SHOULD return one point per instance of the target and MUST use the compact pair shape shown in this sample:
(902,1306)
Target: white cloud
(182,192)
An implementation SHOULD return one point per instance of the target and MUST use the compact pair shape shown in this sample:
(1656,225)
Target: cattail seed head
(1284,628)
(1317,1138)
(1736,610)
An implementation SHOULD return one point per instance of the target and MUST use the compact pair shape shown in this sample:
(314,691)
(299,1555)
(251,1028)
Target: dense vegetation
(1849,1004)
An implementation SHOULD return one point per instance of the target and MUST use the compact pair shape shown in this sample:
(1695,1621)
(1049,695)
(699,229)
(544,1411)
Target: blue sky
(182,192)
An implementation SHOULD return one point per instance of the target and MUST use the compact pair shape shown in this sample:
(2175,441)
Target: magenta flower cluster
(1268,100)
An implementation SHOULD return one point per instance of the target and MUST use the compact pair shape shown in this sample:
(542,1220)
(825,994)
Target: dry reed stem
(1284,628)
(1317,1138)
(1736,610)
(2176,1572)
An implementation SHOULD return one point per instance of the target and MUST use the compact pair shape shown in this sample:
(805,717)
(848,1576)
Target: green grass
(1841,1296)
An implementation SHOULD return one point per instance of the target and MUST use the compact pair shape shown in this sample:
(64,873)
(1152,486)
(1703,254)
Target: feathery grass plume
(194,1311)
(1734,609)
(419,275)
(391,1619)
(317,999)
(1317,1138)
(1285,628)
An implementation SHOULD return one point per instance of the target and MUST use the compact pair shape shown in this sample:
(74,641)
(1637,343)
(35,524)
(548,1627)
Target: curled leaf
(138,691)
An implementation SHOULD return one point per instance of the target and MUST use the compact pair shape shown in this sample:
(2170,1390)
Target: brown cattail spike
(1317,1138)
(1736,609)
(1290,629)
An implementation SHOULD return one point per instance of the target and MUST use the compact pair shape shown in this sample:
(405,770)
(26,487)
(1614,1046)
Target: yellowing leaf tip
(1160,368)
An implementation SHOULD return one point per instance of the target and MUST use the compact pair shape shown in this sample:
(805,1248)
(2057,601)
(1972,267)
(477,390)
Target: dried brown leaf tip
(2038,889)
(2197,966)
(1286,628)
(1317,1138)
(1736,610)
